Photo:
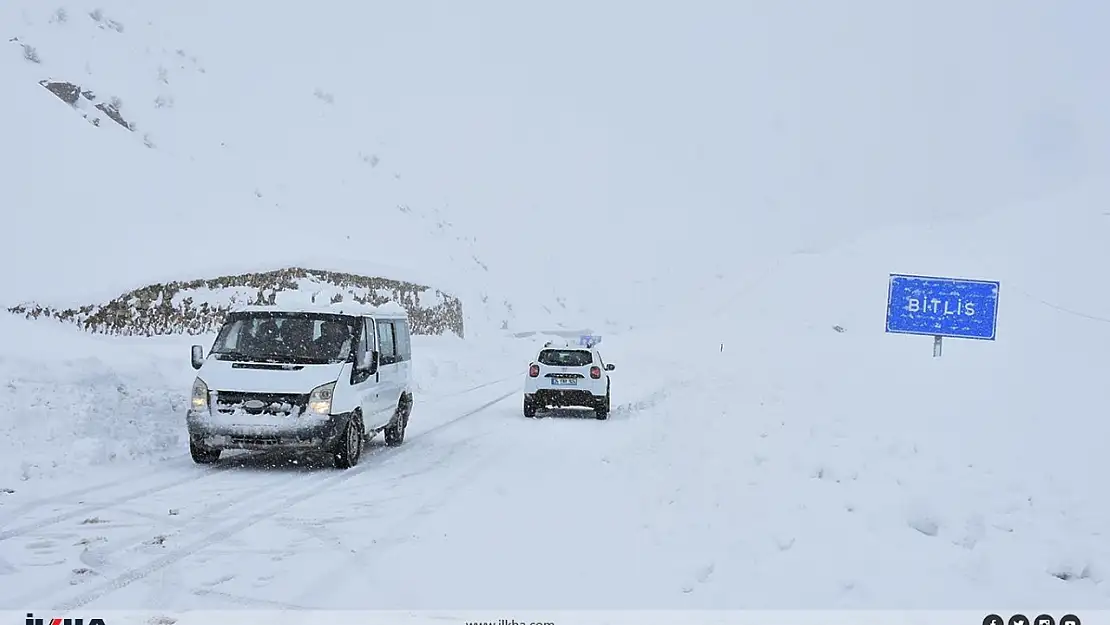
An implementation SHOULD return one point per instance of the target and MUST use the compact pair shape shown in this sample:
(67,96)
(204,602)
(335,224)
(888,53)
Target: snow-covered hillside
(233,165)
(745,180)
(458,139)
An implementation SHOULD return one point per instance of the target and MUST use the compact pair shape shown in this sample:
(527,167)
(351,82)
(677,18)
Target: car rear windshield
(565,357)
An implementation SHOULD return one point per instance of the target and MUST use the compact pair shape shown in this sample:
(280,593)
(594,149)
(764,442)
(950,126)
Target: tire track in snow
(202,521)
(319,487)
(396,531)
(472,388)
(86,510)
(74,494)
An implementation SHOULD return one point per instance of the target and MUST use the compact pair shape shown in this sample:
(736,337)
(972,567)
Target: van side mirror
(610,367)
(197,356)
(366,361)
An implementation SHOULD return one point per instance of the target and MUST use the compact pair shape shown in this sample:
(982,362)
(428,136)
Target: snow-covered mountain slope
(462,138)
(229,167)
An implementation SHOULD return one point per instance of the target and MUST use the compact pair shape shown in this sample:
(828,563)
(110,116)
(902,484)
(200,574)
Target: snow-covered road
(255,525)
(717,494)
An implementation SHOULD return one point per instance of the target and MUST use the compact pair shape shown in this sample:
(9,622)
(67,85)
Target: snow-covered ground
(771,461)
(770,446)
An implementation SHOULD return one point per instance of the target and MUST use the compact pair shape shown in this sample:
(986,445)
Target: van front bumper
(315,434)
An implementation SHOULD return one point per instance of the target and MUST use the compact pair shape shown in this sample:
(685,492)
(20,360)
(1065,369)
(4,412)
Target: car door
(365,384)
(388,380)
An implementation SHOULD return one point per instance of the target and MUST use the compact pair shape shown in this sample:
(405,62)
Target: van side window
(404,340)
(386,342)
(366,340)
(365,329)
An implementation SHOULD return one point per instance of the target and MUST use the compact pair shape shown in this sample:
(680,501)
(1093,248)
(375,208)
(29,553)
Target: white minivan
(316,378)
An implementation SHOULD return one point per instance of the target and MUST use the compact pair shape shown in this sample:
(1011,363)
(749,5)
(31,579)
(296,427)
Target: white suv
(568,375)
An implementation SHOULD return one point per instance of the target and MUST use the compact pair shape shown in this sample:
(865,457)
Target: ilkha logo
(31,620)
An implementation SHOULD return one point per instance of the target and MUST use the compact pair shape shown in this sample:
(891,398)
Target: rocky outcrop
(73,94)
(199,306)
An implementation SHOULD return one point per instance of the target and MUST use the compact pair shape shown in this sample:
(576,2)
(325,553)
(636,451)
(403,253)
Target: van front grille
(280,404)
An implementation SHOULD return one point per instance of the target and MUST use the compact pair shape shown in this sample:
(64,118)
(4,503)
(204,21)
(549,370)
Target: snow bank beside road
(70,400)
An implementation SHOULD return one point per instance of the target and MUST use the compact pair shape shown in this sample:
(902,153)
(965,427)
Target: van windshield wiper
(241,357)
(278,358)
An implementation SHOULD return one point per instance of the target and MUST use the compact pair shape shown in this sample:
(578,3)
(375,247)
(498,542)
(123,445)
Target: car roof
(391,310)
(564,343)
(566,346)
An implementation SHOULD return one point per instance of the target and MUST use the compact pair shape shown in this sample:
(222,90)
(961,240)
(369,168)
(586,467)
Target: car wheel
(349,449)
(529,407)
(601,411)
(202,454)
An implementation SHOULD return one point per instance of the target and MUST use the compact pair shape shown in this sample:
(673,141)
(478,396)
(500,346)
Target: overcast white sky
(770,122)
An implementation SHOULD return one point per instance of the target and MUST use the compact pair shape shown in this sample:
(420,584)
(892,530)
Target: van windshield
(565,357)
(301,338)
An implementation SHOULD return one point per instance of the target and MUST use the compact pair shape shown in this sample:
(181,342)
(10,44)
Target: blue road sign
(587,340)
(952,307)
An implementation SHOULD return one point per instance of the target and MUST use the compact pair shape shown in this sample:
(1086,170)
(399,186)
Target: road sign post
(942,307)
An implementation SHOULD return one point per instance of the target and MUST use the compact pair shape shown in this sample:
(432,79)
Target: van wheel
(601,410)
(529,407)
(202,454)
(395,431)
(349,449)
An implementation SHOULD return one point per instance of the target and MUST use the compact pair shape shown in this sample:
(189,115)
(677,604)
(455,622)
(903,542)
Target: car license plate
(563,382)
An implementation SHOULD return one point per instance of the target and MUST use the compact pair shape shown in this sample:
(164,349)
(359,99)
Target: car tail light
(534,371)
(595,373)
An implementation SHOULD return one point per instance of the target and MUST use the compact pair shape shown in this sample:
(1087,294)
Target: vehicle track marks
(239,525)
(99,558)
(85,510)
(397,532)
(254,458)
(471,389)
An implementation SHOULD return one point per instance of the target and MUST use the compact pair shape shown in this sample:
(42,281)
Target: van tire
(348,451)
(395,431)
(202,454)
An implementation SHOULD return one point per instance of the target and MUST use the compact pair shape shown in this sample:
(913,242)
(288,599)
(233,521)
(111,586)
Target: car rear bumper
(584,385)
(565,397)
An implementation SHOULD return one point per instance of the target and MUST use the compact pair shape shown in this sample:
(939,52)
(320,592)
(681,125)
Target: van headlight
(200,395)
(319,401)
